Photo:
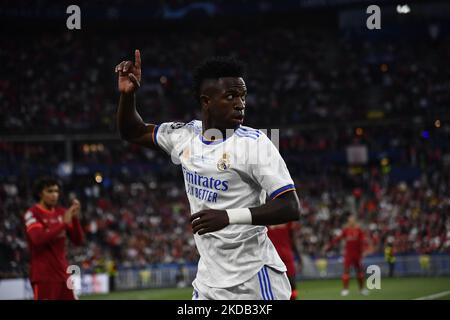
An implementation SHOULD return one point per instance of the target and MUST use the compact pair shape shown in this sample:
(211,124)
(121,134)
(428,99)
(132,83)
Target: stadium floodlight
(403,9)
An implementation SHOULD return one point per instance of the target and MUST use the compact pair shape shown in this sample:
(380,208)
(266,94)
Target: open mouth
(239,118)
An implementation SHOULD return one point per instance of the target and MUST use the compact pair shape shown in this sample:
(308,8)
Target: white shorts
(267,284)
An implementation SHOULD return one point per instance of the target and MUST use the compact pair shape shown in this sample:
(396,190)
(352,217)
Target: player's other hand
(72,212)
(129,74)
(209,221)
(75,207)
(67,218)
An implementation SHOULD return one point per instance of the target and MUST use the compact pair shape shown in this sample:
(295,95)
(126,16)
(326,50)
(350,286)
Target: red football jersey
(354,240)
(280,235)
(46,236)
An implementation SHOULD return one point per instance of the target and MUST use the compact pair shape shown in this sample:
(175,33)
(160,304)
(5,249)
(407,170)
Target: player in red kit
(47,226)
(353,253)
(282,237)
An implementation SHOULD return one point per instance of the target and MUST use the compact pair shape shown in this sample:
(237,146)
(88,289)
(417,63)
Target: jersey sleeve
(167,134)
(337,239)
(363,240)
(76,232)
(36,232)
(269,169)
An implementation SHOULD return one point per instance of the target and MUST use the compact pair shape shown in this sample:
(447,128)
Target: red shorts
(290,266)
(52,291)
(353,261)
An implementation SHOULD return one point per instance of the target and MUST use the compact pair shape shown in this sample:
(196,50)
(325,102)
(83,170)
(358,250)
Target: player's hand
(76,208)
(209,221)
(67,218)
(72,212)
(129,74)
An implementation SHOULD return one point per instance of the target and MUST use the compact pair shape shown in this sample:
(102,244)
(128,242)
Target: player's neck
(210,132)
(45,206)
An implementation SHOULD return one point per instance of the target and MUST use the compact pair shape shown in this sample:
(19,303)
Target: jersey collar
(211,142)
(44,209)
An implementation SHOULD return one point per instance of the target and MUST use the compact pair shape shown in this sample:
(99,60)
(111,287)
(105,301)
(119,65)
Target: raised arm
(130,124)
(39,235)
(74,227)
(334,241)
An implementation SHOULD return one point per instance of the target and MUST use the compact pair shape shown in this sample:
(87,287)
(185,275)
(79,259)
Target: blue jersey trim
(266,290)
(250,130)
(243,135)
(281,190)
(209,142)
(155,134)
(268,281)
(249,133)
(261,286)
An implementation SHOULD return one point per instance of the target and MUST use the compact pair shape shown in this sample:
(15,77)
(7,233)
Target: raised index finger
(137,58)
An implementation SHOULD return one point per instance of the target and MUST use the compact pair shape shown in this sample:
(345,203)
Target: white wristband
(240,216)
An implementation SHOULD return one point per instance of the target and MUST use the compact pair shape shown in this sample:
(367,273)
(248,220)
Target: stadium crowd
(291,71)
(135,210)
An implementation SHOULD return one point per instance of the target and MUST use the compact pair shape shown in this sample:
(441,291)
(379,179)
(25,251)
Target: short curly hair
(43,183)
(215,68)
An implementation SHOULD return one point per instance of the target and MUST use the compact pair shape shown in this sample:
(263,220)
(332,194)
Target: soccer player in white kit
(229,171)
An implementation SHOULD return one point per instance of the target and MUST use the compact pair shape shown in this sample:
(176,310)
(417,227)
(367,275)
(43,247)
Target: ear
(204,101)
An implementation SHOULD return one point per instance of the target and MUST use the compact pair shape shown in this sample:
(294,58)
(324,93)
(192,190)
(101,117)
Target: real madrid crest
(224,163)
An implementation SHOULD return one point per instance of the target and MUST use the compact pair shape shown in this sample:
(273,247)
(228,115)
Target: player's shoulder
(250,134)
(31,211)
(193,126)
(31,215)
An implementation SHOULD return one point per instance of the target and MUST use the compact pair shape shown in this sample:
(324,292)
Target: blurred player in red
(282,237)
(353,253)
(47,226)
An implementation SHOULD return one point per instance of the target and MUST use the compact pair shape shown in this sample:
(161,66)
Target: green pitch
(396,288)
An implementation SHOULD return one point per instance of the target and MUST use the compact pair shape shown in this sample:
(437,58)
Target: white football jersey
(239,171)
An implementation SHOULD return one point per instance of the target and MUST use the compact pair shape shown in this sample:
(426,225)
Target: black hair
(215,68)
(43,183)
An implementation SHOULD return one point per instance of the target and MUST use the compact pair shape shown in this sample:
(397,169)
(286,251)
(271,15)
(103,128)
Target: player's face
(227,105)
(50,196)
(351,220)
